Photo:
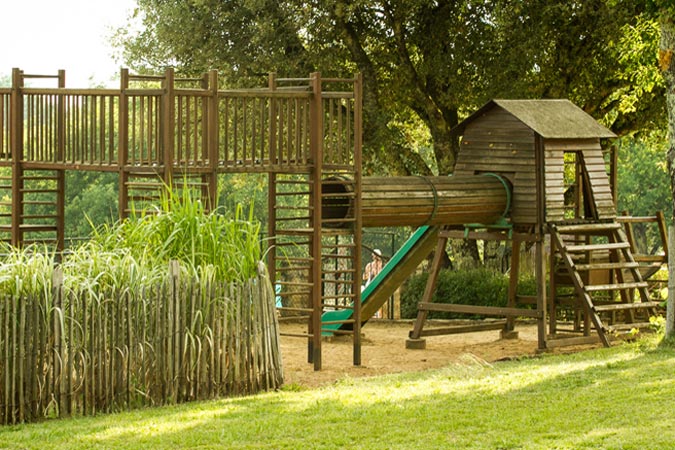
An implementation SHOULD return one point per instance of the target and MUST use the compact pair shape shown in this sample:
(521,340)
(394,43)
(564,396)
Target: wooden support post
(212,137)
(16,142)
(552,293)
(541,293)
(316,144)
(272,186)
(540,259)
(168,126)
(123,144)
(61,174)
(414,340)
(508,331)
(663,231)
(358,230)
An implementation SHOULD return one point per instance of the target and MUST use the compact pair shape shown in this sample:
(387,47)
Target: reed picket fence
(87,351)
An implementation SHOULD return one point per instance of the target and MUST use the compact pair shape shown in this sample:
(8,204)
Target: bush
(480,287)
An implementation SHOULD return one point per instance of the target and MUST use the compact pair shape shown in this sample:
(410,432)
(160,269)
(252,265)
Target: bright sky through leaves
(43,36)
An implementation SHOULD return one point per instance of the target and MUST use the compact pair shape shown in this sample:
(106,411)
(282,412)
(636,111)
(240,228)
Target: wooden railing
(152,121)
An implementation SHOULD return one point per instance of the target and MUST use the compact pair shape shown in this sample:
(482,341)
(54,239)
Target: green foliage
(425,64)
(248,189)
(91,199)
(136,252)
(644,186)
(480,287)
(180,229)
(26,271)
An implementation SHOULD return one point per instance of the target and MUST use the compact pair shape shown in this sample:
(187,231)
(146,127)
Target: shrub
(481,287)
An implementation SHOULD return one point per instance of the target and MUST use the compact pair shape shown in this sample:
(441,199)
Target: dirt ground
(383,351)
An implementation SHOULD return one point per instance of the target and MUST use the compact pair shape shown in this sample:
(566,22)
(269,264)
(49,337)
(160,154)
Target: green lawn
(616,398)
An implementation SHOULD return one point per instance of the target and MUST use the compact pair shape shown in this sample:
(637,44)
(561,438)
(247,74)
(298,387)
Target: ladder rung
(297,266)
(295,309)
(37,177)
(39,191)
(337,297)
(616,287)
(587,228)
(294,259)
(337,322)
(626,306)
(39,216)
(607,266)
(292,181)
(293,208)
(37,227)
(289,219)
(628,326)
(297,243)
(295,232)
(292,193)
(38,202)
(300,335)
(294,283)
(594,247)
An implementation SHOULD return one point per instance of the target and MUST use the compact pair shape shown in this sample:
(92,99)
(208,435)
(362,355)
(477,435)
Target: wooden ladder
(37,210)
(580,258)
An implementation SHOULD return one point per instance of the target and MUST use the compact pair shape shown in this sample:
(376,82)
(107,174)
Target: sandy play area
(383,351)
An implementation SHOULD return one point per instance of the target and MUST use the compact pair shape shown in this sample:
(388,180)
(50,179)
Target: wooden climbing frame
(156,131)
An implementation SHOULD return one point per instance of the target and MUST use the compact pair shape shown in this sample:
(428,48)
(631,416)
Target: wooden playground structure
(305,133)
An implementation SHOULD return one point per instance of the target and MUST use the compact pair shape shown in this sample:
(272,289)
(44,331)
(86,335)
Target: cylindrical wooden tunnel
(417,201)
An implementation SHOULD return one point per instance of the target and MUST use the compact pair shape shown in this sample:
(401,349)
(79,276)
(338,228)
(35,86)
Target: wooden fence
(84,352)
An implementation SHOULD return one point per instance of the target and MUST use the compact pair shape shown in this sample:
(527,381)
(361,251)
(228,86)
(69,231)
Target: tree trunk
(667,64)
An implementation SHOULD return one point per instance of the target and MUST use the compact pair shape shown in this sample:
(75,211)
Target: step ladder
(38,206)
(5,205)
(611,305)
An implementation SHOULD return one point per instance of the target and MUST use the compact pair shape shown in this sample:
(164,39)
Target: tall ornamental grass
(180,229)
(164,307)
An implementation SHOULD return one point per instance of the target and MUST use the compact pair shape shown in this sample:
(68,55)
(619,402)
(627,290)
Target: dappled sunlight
(598,394)
(469,378)
(159,424)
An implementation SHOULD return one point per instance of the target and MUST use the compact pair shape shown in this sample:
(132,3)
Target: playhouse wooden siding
(500,138)
(498,142)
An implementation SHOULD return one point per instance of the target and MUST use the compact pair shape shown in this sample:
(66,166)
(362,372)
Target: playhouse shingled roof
(551,119)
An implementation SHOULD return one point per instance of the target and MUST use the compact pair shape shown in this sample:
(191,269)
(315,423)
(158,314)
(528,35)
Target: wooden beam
(482,310)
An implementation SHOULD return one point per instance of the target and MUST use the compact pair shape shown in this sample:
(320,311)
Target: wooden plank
(596,247)
(568,341)
(629,326)
(625,306)
(587,228)
(616,286)
(483,310)
(459,329)
(572,144)
(606,266)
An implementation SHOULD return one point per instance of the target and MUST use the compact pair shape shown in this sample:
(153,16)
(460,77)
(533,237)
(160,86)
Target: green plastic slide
(397,269)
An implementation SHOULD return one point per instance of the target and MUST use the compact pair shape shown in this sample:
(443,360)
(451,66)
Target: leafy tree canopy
(426,64)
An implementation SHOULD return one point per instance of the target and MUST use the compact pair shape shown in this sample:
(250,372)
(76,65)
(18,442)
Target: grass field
(617,398)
